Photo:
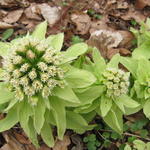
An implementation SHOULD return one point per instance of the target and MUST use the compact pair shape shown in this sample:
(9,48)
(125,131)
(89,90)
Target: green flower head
(116,82)
(33,68)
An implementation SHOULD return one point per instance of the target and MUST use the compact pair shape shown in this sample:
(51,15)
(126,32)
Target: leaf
(114,120)
(76,122)
(90,94)
(127,147)
(114,61)
(11,104)
(130,64)
(66,93)
(140,145)
(128,102)
(56,41)
(39,111)
(77,78)
(25,111)
(99,62)
(105,105)
(7,33)
(119,103)
(40,30)
(4,48)
(58,110)
(32,133)
(47,134)
(146,108)
(73,52)
(10,120)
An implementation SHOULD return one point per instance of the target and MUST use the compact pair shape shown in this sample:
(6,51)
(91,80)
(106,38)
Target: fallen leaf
(124,52)
(13,16)
(4,25)
(51,14)
(32,12)
(140,4)
(82,22)
(62,145)
(111,52)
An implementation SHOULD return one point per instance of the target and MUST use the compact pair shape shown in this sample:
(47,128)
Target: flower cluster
(116,81)
(33,68)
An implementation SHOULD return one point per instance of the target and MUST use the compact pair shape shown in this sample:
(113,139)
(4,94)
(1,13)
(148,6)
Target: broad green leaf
(114,61)
(10,120)
(105,105)
(40,30)
(114,120)
(11,104)
(66,93)
(25,111)
(130,64)
(146,108)
(4,48)
(129,111)
(99,61)
(119,103)
(56,41)
(74,51)
(7,33)
(140,145)
(47,135)
(128,102)
(90,94)
(142,51)
(76,122)
(77,78)
(39,111)
(59,113)
(127,147)
(32,133)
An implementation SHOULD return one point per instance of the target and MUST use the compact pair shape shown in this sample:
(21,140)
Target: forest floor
(105,24)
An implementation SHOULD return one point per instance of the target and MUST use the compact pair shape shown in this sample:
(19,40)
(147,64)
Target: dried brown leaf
(62,145)
(140,4)
(4,25)
(82,22)
(13,16)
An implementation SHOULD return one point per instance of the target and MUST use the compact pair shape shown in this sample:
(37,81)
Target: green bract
(39,83)
(110,98)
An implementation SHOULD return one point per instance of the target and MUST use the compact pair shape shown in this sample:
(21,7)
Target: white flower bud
(109,85)
(14,82)
(17,59)
(46,92)
(37,85)
(52,83)
(19,94)
(30,54)
(52,71)
(44,77)
(115,86)
(29,91)
(24,81)
(24,67)
(32,74)
(42,66)
(16,73)
(117,92)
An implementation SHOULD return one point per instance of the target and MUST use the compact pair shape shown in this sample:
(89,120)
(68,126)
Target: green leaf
(127,147)
(99,61)
(130,64)
(40,30)
(74,51)
(58,110)
(146,109)
(7,33)
(128,102)
(76,122)
(11,104)
(119,103)
(25,111)
(10,120)
(114,120)
(4,48)
(66,93)
(56,41)
(32,133)
(77,78)
(114,61)
(92,93)
(47,135)
(105,105)
(140,145)
(39,111)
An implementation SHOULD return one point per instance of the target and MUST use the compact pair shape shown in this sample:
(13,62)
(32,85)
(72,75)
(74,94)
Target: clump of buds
(33,68)
(116,81)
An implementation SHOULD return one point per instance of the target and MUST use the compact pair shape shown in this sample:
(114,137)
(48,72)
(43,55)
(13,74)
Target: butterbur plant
(114,84)
(38,85)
